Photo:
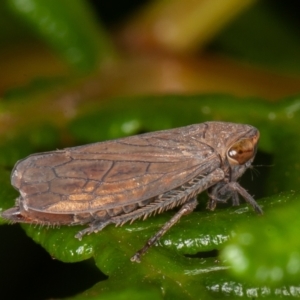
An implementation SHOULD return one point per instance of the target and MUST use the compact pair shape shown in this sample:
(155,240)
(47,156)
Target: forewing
(111,174)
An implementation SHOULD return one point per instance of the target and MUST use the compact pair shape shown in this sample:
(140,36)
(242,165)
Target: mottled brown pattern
(122,180)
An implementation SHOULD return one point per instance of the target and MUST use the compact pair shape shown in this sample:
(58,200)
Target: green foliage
(261,35)
(261,250)
(230,252)
(268,237)
(59,24)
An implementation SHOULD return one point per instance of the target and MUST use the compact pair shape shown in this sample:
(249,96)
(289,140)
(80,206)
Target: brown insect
(122,180)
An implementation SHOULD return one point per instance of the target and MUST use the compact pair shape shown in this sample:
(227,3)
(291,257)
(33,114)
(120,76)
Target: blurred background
(61,60)
(142,47)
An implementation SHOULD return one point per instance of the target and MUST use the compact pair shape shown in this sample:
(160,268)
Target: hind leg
(187,208)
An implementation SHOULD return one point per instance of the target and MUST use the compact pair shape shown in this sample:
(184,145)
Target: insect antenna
(259,166)
(253,169)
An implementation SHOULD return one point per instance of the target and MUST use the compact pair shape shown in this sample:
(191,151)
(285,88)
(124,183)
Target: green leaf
(275,240)
(264,35)
(185,263)
(59,24)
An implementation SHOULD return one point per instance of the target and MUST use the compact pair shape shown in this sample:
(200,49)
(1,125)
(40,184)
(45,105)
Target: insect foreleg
(187,208)
(231,190)
(236,187)
(235,199)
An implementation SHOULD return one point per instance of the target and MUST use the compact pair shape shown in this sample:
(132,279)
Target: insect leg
(222,192)
(215,194)
(187,208)
(94,227)
(174,197)
(235,199)
(234,186)
(167,201)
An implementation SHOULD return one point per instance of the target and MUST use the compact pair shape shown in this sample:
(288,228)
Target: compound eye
(242,151)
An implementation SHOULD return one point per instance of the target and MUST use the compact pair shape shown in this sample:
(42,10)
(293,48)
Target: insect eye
(241,151)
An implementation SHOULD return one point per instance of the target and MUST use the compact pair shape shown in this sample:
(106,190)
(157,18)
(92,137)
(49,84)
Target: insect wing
(113,173)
